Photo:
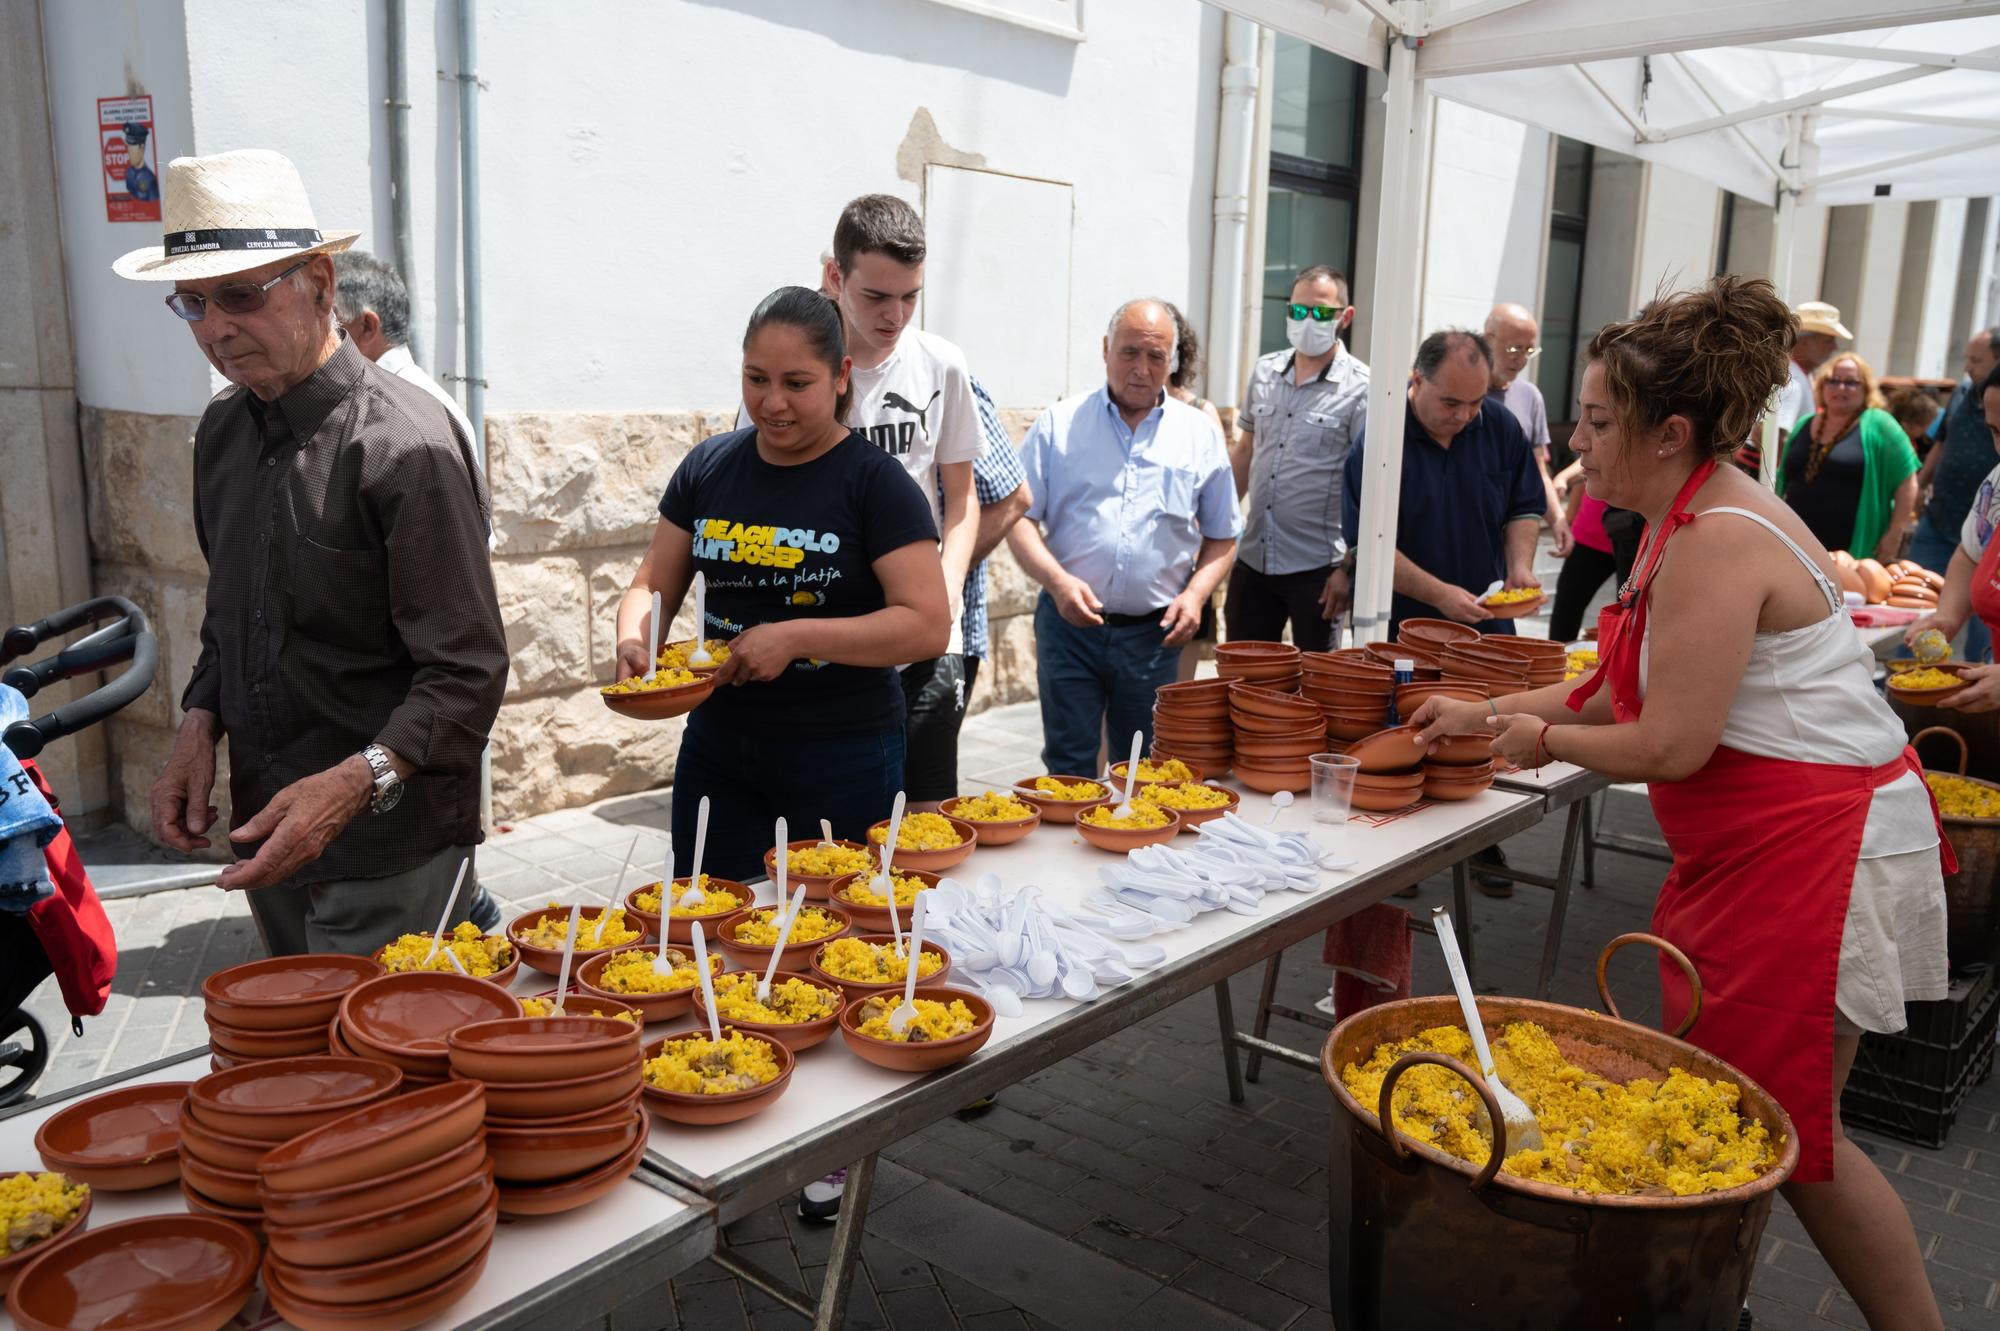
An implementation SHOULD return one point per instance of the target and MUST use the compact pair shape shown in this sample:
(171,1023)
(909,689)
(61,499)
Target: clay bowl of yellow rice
(1062,798)
(686,1078)
(38,1211)
(1158,769)
(580,1004)
(865,964)
(1146,825)
(1002,817)
(1927,686)
(538,934)
(747,938)
(674,656)
(857,895)
(932,842)
(721,898)
(949,1028)
(484,956)
(1197,802)
(799,1014)
(673,693)
(627,976)
(817,864)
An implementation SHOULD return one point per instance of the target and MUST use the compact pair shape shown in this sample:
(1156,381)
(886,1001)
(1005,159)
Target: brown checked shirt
(350,601)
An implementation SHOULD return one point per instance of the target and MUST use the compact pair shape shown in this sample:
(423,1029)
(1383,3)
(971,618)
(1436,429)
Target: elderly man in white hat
(351,647)
(1819,326)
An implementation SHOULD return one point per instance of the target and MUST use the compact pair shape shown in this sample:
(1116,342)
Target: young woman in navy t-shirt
(823,574)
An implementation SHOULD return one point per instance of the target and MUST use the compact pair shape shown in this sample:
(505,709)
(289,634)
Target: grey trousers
(358,915)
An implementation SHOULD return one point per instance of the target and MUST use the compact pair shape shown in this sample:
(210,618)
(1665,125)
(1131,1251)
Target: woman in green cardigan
(1849,471)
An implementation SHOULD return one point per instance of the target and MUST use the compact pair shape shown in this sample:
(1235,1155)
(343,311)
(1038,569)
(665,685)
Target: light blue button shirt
(1126,510)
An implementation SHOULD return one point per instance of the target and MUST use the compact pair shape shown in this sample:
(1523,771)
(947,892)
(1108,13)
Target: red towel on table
(1370,956)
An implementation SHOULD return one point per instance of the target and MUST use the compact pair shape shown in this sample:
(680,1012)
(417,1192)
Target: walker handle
(1964,751)
(1687,967)
(1446,1061)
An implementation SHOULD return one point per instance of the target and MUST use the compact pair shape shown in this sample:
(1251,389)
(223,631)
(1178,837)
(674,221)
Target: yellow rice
(1152,769)
(35,1208)
(546,1007)
(1143,815)
(595,929)
(1960,798)
(862,891)
(991,807)
(700,1066)
(873,963)
(1512,596)
(714,900)
(1051,788)
(480,954)
(934,1020)
(665,679)
(1184,795)
(632,973)
(828,861)
(759,928)
(675,654)
(920,831)
(792,999)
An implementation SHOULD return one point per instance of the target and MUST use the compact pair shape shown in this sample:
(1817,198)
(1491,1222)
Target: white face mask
(1310,337)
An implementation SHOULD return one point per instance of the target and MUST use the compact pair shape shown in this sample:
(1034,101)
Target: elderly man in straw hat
(351,649)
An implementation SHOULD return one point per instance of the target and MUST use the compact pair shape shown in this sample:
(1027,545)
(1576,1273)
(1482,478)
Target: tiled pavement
(1119,1187)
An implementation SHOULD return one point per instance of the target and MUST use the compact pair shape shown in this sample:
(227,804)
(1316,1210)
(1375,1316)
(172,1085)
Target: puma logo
(900,403)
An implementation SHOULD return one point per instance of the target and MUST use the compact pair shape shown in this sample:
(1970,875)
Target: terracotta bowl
(1298,723)
(1249,700)
(245,1045)
(1269,781)
(797,1036)
(284,993)
(926,1057)
(1333,689)
(1449,772)
(1536,651)
(277,1100)
(651,1007)
(385,1231)
(542,1155)
(200,1203)
(1445,788)
(121,1140)
(1412,696)
(1219,732)
(559,1099)
(1175,719)
(1342,729)
(220,1149)
(1421,655)
(394,1191)
(1515,609)
(548,960)
(1376,712)
(1268,673)
(404,1019)
(502,977)
(817,884)
(231,1187)
(1392,750)
(1122,839)
(1192,692)
(1386,801)
(377,1140)
(408,1310)
(170,1272)
(568,1194)
(1436,631)
(1258,749)
(1461,750)
(1057,810)
(1499,680)
(610,1113)
(1409,780)
(674,928)
(1214,760)
(11,1267)
(873,919)
(1927,697)
(853,989)
(395,1276)
(750,956)
(931,861)
(1247,649)
(221,1062)
(706,1110)
(661,704)
(1180,707)
(541,1049)
(1003,832)
(1193,818)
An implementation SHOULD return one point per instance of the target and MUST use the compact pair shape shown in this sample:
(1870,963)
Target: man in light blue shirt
(1133,525)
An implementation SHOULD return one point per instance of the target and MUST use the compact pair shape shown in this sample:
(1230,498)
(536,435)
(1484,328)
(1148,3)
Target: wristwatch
(388,786)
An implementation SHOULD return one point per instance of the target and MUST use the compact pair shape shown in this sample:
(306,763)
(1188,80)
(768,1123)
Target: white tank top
(1808,695)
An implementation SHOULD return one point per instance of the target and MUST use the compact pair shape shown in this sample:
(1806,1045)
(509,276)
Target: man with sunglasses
(1515,337)
(351,644)
(1300,417)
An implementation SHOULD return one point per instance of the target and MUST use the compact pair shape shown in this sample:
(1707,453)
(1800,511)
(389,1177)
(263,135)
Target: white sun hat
(1816,316)
(229,213)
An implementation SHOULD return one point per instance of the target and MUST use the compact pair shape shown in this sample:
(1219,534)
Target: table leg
(1225,1015)
(1261,1027)
(1592,813)
(1573,831)
(1461,876)
(831,1314)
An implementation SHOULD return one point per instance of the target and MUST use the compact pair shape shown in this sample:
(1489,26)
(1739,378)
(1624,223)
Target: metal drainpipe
(475,342)
(1235,134)
(398,103)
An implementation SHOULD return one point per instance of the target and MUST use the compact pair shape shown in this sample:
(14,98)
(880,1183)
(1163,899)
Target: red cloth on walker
(1376,943)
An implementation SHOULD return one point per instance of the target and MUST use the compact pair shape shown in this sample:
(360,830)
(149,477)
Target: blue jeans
(752,781)
(1095,678)
(1933,549)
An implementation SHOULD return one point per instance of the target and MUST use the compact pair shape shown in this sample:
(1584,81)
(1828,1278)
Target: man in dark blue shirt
(1472,499)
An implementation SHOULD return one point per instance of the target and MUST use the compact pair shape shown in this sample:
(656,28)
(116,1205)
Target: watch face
(386,800)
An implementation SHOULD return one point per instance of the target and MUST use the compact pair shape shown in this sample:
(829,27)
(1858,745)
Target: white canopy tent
(1829,102)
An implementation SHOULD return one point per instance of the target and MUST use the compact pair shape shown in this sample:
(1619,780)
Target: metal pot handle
(1446,1061)
(1964,752)
(1687,967)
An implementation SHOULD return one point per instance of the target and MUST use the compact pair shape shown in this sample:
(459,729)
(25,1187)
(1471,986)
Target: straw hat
(1816,316)
(230,213)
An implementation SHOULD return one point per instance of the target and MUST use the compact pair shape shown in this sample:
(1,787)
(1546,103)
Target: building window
(1562,295)
(1316,113)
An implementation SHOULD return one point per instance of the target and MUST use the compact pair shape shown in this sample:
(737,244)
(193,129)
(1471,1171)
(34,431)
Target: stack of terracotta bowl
(383,1217)
(231,1120)
(1276,736)
(1425,666)
(1458,767)
(1352,692)
(1392,771)
(281,1007)
(563,1122)
(1503,672)
(404,1020)
(1274,665)
(1434,635)
(1544,662)
(1191,722)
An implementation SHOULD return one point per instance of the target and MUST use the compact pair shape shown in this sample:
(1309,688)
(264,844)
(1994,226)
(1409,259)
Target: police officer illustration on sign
(140,182)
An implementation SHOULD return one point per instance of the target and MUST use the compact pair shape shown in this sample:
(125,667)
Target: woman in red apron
(1972,580)
(1730,681)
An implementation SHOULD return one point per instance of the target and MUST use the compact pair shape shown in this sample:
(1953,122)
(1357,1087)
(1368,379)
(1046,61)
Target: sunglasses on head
(1318,313)
(230,298)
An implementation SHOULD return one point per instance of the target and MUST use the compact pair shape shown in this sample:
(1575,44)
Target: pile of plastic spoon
(1232,864)
(1010,946)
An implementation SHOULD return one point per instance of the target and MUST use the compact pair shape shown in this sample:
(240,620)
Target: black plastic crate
(1947,1020)
(1908,1113)
(1941,1041)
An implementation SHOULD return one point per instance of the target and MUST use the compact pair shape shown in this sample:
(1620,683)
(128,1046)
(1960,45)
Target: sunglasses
(1529,352)
(232,298)
(1318,313)
(1845,383)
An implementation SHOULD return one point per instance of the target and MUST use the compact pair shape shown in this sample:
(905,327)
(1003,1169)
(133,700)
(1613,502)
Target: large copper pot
(1978,733)
(1423,1241)
(1972,905)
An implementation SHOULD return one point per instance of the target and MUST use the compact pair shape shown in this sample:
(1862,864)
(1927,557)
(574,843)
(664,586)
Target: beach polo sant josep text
(770,547)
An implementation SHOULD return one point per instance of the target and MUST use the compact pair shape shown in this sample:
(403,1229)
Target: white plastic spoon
(1004,999)
(1523,1132)
(1131,777)
(653,641)
(1279,803)
(456,964)
(906,1011)
(700,656)
(885,882)
(784,932)
(449,902)
(618,892)
(826,833)
(569,951)
(694,896)
(707,985)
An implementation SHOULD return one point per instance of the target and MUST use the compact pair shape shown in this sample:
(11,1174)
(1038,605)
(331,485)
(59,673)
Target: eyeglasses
(1845,383)
(233,298)
(1529,352)
(1319,313)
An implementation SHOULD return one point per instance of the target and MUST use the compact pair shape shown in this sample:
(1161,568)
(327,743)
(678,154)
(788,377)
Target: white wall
(1489,218)
(1677,233)
(1873,319)
(1939,340)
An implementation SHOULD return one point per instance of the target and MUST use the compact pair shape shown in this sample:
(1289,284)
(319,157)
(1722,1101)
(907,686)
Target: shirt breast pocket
(339,596)
(1326,433)
(1174,491)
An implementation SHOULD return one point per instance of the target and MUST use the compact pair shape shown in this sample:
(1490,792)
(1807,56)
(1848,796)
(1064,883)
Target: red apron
(1986,586)
(1764,853)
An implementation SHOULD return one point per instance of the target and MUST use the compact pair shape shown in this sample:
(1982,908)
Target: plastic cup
(1333,787)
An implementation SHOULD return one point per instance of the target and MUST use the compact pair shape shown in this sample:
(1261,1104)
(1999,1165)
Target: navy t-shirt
(1456,502)
(798,542)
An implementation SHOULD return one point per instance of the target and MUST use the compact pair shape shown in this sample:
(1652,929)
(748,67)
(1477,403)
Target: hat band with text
(242,238)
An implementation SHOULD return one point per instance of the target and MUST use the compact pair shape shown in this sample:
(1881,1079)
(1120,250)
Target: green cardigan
(1887,460)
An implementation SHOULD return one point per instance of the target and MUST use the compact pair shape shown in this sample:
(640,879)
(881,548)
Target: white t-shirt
(1981,518)
(1794,400)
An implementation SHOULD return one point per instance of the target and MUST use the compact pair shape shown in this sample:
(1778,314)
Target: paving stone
(1208,1202)
(1150,1255)
(714,1306)
(1301,1281)
(999,1320)
(1031,1201)
(1021,1159)
(1261,1305)
(1239,1253)
(916,1309)
(969,1301)
(1136,1211)
(893,1268)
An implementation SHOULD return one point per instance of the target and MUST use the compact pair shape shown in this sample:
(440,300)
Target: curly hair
(1712,355)
(1871,385)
